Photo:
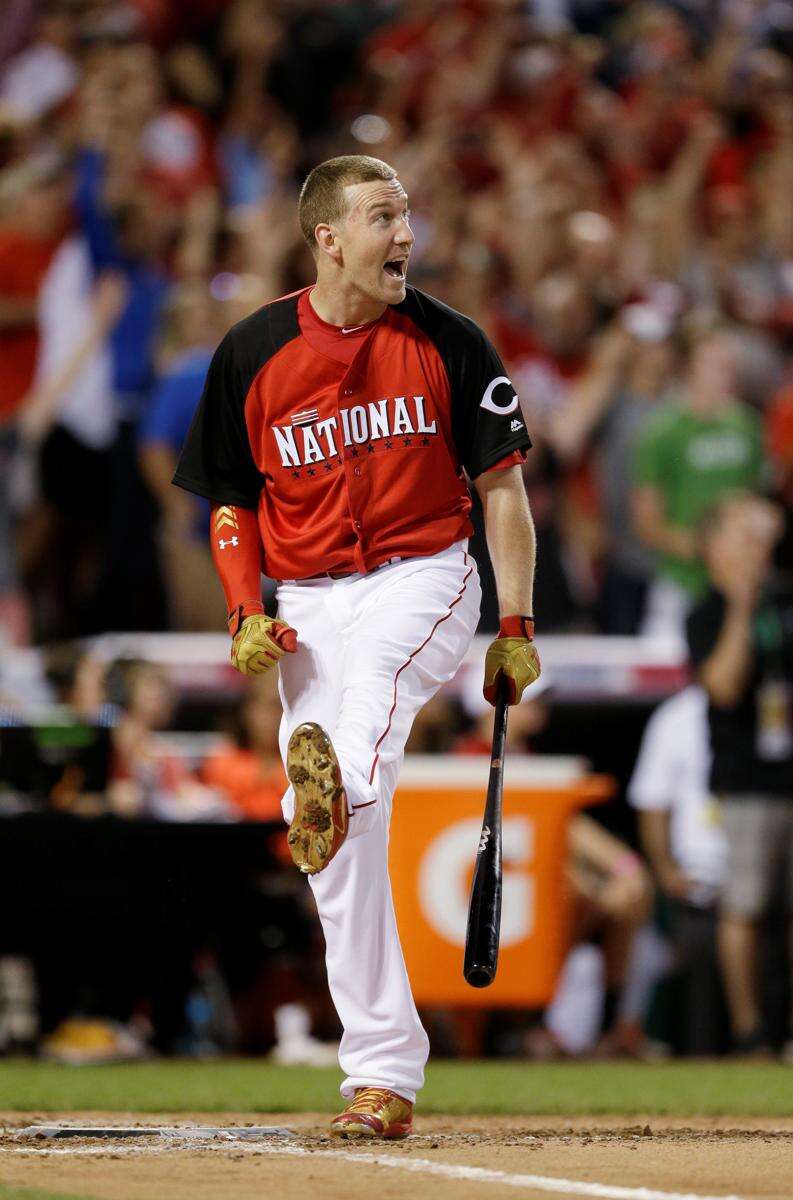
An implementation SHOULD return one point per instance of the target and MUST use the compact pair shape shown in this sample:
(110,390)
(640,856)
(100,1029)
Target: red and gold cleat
(319,825)
(374,1113)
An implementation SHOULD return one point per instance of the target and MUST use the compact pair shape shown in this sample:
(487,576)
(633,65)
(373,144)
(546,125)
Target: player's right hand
(261,642)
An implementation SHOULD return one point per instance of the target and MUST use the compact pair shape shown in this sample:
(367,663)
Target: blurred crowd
(604,186)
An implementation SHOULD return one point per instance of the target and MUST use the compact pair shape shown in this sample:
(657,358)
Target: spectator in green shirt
(695,449)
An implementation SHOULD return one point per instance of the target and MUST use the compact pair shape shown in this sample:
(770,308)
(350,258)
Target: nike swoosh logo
(352,329)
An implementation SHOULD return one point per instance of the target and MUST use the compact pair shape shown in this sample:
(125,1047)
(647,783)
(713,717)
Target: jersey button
(356,470)
(358,525)
(348,391)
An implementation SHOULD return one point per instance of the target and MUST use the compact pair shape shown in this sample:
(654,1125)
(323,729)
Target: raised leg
(393,639)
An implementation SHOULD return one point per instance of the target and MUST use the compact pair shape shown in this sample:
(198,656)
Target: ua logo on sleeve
(501,410)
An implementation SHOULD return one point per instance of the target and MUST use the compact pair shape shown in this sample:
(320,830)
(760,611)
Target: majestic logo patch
(501,410)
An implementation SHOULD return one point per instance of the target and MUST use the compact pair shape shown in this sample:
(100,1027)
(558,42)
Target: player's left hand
(512,657)
(260,642)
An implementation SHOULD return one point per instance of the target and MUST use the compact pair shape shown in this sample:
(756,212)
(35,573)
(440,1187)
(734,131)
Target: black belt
(345,574)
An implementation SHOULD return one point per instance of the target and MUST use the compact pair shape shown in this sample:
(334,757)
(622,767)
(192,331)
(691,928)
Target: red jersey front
(352,447)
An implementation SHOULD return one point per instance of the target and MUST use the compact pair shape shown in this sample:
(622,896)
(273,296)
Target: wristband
(519,627)
(248,608)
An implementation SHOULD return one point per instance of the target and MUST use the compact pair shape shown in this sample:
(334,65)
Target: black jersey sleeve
(487,422)
(486,418)
(216,459)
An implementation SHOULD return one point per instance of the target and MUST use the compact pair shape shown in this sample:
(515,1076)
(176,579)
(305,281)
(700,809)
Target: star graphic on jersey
(370,449)
(295,474)
(389,445)
(407,441)
(328,466)
(425,441)
(354,452)
(311,471)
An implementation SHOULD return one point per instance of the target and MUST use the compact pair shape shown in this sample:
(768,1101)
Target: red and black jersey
(351,444)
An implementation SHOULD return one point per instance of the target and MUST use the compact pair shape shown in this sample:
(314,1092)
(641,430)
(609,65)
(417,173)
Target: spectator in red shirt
(33,216)
(249,772)
(779,439)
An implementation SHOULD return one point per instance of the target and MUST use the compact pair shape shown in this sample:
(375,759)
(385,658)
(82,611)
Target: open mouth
(395,267)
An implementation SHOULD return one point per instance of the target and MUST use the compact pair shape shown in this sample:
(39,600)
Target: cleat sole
(319,825)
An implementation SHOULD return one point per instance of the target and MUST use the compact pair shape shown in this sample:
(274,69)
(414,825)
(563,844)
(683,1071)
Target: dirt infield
(449,1158)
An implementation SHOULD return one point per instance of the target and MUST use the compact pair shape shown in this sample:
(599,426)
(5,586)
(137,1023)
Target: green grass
(683,1088)
(23,1193)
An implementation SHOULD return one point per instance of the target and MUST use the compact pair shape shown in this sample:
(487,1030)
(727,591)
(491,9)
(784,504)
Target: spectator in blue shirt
(193,328)
(130,238)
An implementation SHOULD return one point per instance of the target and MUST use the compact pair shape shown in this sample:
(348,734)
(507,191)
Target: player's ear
(327,242)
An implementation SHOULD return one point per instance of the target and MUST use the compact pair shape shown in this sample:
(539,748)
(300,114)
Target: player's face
(375,239)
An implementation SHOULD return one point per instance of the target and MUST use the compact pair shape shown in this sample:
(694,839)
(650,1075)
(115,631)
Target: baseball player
(333,438)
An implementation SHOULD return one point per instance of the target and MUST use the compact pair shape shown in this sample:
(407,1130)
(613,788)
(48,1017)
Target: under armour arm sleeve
(237,555)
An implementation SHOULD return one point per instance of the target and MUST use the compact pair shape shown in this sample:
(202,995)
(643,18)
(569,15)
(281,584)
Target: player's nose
(404,234)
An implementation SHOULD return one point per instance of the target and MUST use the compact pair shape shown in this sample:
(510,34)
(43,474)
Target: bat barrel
(484,912)
(484,922)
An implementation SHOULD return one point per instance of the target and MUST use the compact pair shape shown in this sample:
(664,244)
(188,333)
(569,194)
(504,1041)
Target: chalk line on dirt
(418,1166)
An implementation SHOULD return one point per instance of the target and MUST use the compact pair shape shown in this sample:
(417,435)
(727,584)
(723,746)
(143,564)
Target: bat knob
(479,977)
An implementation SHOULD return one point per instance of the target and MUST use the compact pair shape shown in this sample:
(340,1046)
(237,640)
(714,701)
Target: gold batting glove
(512,657)
(258,641)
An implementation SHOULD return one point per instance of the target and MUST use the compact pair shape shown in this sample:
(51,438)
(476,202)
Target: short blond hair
(322,195)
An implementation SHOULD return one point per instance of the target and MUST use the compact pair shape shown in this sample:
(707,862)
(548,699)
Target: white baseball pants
(372,650)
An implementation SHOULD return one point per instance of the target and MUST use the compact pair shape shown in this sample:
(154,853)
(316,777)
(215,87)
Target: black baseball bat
(484,910)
